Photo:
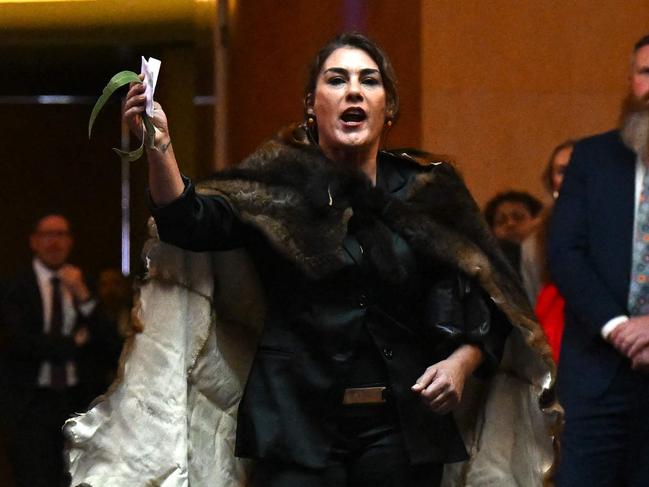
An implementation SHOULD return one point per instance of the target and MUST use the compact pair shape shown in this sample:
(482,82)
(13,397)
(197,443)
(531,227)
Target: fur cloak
(170,417)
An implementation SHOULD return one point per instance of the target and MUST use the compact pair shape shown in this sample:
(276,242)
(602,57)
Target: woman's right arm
(165,181)
(183,218)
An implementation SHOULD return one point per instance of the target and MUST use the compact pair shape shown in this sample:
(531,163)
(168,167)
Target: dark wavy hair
(533,205)
(643,41)
(357,41)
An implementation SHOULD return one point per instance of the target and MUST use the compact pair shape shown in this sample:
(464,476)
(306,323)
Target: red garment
(549,311)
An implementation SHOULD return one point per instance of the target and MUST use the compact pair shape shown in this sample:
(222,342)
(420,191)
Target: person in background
(598,254)
(53,334)
(512,217)
(555,170)
(534,267)
(542,293)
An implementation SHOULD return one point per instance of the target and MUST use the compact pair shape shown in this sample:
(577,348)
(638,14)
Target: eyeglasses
(53,234)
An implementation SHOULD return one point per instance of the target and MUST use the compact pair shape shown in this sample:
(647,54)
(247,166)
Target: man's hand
(442,384)
(632,340)
(640,361)
(72,278)
(631,337)
(81,336)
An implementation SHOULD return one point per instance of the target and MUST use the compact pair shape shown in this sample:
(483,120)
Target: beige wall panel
(505,81)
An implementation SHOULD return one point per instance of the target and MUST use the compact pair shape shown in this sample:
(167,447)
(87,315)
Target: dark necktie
(58,380)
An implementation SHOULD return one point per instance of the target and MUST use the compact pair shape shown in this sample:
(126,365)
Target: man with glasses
(54,334)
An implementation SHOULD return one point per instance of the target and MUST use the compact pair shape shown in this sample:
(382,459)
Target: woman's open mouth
(353,116)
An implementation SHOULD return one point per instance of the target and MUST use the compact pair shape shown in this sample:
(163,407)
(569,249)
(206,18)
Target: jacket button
(341,356)
(387,352)
(362,301)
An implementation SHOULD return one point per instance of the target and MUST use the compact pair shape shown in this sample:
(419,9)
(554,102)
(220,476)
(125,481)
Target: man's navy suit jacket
(589,251)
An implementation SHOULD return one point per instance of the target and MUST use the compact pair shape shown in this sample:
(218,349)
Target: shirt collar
(43,273)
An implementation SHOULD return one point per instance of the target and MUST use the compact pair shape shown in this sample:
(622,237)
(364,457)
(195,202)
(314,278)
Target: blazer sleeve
(458,311)
(584,290)
(199,223)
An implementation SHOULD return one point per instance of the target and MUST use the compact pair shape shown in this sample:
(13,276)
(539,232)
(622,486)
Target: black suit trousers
(605,442)
(368,451)
(35,439)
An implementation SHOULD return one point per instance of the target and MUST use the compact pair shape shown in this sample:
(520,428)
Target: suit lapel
(624,203)
(34,299)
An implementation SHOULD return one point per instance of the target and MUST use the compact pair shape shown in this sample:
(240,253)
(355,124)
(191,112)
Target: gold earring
(310,121)
(389,123)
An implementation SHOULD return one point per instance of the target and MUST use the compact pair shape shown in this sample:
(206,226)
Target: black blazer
(26,346)
(298,375)
(589,253)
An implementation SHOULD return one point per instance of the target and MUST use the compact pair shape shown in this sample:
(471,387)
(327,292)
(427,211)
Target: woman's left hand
(442,384)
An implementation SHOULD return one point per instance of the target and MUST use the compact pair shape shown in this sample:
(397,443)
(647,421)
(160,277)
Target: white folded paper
(150,68)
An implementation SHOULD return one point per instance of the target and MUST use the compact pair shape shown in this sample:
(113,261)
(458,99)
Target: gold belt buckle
(364,395)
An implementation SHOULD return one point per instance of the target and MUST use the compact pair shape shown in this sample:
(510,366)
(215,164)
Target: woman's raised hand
(165,181)
(134,106)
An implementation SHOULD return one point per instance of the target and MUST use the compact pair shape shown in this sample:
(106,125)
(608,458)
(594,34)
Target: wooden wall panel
(505,81)
(270,44)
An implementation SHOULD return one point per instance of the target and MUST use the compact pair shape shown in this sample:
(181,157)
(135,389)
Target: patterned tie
(59,379)
(639,289)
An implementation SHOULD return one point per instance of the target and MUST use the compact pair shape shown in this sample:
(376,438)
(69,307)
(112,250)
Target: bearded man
(599,259)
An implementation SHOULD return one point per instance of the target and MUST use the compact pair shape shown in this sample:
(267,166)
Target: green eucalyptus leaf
(150,141)
(130,156)
(120,79)
(150,131)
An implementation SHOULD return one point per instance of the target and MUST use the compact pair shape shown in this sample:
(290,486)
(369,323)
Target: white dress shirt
(43,277)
